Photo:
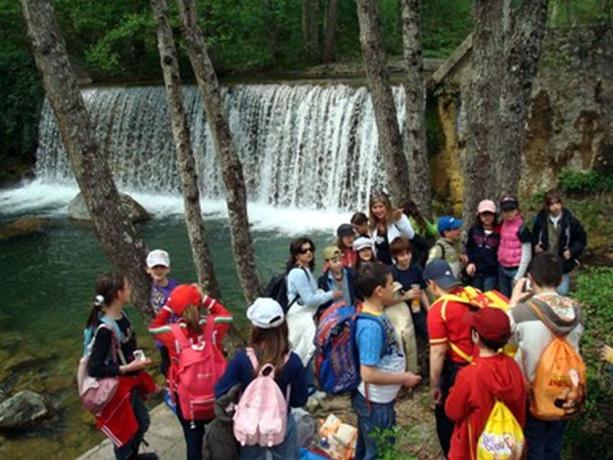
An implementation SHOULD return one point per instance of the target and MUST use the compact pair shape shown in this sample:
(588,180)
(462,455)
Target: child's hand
(411,380)
(397,214)
(136,365)
(519,293)
(464,258)
(337,294)
(471,269)
(437,395)
(413,293)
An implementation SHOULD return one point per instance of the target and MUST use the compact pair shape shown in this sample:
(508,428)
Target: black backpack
(277,289)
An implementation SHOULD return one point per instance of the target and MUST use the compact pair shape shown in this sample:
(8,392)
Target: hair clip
(98,300)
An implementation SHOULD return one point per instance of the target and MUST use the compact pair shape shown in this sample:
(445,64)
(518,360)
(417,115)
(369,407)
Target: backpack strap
(254,362)
(534,308)
(456,349)
(440,245)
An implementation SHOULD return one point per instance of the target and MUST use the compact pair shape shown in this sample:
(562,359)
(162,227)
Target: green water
(46,286)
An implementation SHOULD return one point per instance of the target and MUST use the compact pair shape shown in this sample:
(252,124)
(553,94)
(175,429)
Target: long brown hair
(270,346)
(191,316)
(108,286)
(379,197)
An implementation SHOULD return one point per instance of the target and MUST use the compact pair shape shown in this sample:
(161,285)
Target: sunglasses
(305,250)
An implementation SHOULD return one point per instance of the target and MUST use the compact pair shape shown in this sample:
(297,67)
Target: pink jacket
(509,251)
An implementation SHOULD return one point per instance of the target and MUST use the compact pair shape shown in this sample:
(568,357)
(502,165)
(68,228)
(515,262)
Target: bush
(573,181)
(590,436)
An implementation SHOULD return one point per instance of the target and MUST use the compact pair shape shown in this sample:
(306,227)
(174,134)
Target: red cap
(491,324)
(182,296)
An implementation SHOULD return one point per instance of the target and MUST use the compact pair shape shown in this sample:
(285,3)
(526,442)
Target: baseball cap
(440,272)
(265,313)
(182,296)
(486,206)
(158,257)
(491,323)
(362,242)
(331,252)
(448,223)
(509,203)
(345,230)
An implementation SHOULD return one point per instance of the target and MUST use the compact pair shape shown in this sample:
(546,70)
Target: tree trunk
(227,156)
(310,29)
(390,142)
(420,179)
(329,52)
(114,231)
(483,105)
(186,165)
(523,51)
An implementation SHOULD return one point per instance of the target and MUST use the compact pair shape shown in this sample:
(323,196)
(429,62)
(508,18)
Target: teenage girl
(346,236)
(269,341)
(187,302)
(111,342)
(360,221)
(386,224)
(364,248)
(482,248)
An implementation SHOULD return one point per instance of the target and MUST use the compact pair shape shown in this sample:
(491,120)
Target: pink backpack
(260,417)
(200,366)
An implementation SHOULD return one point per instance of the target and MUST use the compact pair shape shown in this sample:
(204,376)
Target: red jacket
(473,395)
(117,420)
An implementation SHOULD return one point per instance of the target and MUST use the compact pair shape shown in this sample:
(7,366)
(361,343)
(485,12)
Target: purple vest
(509,251)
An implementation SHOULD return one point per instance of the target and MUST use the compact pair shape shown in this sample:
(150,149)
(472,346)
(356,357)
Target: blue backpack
(337,359)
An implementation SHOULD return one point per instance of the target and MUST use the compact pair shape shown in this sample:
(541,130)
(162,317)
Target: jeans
(193,432)
(506,275)
(377,416)
(485,283)
(310,377)
(564,286)
(287,450)
(141,413)
(444,426)
(544,438)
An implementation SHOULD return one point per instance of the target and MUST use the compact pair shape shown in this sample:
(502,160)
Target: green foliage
(568,13)
(391,443)
(590,436)
(574,181)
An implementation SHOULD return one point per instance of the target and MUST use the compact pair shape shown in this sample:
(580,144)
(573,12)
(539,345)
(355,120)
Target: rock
(22,410)
(27,225)
(78,211)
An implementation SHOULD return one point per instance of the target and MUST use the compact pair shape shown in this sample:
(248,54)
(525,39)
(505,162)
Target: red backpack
(200,365)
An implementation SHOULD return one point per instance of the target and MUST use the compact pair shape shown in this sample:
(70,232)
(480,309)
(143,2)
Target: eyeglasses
(305,250)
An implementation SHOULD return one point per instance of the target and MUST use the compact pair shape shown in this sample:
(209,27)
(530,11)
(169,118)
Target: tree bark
(523,51)
(186,164)
(483,105)
(114,231)
(225,150)
(420,179)
(329,51)
(390,142)
(310,29)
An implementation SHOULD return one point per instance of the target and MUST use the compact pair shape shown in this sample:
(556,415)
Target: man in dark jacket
(557,230)
(336,277)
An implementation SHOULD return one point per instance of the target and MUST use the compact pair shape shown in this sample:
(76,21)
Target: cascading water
(300,146)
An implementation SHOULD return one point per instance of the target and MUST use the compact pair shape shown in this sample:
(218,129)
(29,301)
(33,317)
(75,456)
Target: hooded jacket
(472,398)
(572,237)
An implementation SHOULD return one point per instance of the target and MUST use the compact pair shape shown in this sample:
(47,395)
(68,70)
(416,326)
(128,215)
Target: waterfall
(300,145)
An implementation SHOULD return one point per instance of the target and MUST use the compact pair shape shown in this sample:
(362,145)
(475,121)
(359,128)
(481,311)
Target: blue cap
(440,272)
(448,223)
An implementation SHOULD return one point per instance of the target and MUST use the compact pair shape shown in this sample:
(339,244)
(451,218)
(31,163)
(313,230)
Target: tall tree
(186,163)
(114,231)
(329,51)
(420,180)
(225,150)
(377,76)
(310,29)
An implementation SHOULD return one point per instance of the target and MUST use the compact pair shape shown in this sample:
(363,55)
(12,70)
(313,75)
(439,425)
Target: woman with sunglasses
(304,299)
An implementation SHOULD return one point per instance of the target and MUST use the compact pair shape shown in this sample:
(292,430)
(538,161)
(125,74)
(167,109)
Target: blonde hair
(379,197)
(191,316)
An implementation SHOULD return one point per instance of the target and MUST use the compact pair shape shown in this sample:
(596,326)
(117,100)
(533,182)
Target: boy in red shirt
(451,347)
(491,376)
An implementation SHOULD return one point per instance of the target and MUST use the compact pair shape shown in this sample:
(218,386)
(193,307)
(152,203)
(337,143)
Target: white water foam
(51,200)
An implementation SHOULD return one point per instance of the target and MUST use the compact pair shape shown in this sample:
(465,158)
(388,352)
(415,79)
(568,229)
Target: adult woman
(302,291)
(386,225)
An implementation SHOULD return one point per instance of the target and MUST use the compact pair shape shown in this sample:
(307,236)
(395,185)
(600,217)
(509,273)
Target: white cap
(362,242)
(265,313)
(158,257)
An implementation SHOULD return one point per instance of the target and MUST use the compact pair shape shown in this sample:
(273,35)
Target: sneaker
(146,456)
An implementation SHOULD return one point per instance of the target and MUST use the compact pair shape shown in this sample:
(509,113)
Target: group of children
(378,260)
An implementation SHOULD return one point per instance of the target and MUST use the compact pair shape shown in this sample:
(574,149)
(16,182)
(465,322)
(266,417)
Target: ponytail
(108,286)
(191,316)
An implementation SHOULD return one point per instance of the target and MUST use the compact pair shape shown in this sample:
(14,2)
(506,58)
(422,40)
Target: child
(447,247)
(386,224)
(558,231)
(269,341)
(337,277)
(493,377)
(360,221)
(363,246)
(515,250)
(382,362)
(158,268)
(185,302)
(125,418)
(412,281)
(482,248)
(346,236)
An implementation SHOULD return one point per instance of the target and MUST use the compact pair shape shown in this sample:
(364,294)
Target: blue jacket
(325,283)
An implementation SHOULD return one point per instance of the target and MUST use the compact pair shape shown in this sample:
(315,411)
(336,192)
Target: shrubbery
(574,181)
